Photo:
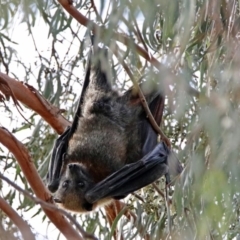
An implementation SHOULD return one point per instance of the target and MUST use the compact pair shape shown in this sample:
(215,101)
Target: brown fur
(107,137)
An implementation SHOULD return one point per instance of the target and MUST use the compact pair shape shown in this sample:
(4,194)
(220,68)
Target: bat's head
(73,186)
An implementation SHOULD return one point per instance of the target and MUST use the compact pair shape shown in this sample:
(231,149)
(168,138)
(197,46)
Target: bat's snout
(72,166)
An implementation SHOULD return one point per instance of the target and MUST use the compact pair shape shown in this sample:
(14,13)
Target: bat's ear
(150,89)
(53,186)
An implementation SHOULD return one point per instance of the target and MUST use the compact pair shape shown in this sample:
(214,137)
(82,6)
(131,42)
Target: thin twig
(158,190)
(138,197)
(8,91)
(32,99)
(126,40)
(129,214)
(30,172)
(3,61)
(164,138)
(49,207)
(96,11)
(67,5)
(168,210)
(17,220)
(137,28)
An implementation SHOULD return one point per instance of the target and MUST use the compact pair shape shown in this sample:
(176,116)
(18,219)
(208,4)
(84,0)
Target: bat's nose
(71,166)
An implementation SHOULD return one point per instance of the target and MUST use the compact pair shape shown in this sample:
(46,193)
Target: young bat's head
(73,185)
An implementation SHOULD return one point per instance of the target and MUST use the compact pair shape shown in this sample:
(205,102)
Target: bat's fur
(107,137)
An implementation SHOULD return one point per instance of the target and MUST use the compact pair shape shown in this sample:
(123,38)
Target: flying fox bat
(111,148)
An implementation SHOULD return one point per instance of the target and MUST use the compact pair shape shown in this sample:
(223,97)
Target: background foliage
(197,44)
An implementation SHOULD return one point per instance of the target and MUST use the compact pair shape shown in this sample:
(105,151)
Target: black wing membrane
(61,144)
(132,176)
(148,134)
(56,162)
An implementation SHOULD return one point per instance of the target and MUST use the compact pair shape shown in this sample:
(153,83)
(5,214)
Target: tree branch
(164,138)
(67,5)
(49,206)
(129,214)
(22,156)
(98,30)
(32,99)
(17,220)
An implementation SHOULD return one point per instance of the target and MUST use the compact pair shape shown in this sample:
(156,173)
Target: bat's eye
(81,185)
(161,155)
(65,183)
